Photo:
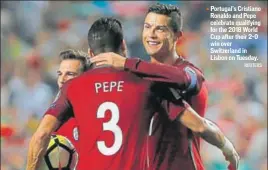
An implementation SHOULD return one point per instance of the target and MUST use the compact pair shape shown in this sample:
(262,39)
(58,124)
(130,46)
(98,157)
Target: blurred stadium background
(34,32)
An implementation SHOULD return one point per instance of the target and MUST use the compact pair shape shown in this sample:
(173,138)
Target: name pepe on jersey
(109,86)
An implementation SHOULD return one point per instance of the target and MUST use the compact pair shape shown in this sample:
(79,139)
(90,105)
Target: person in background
(73,63)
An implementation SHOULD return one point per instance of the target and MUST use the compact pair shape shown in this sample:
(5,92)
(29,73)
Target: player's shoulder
(101,72)
(183,63)
(68,84)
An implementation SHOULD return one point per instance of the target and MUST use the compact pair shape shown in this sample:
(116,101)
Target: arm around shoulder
(186,77)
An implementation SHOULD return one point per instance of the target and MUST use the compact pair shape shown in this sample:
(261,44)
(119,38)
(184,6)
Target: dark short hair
(105,35)
(76,55)
(169,10)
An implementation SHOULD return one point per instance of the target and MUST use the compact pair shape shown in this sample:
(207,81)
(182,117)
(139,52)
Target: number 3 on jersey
(112,126)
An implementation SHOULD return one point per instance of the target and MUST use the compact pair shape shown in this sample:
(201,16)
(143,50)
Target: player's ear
(124,48)
(90,53)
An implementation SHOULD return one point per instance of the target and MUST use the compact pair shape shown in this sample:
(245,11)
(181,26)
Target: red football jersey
(70,131)
(113,111)
(170,145)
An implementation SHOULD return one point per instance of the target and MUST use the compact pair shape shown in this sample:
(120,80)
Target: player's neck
(167,59)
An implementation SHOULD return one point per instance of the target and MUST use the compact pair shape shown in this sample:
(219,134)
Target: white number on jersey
(110,126)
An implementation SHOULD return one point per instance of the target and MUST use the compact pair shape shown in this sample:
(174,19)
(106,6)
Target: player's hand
(112,59)
(233,159)
(230,154)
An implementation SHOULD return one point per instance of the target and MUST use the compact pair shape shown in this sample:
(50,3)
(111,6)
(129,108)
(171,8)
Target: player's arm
(57,113)
(210,132)
(186,78)
(39,141)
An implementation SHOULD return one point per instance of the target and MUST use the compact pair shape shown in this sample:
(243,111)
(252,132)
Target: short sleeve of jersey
(170,100)
(61,107)
(177,108)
